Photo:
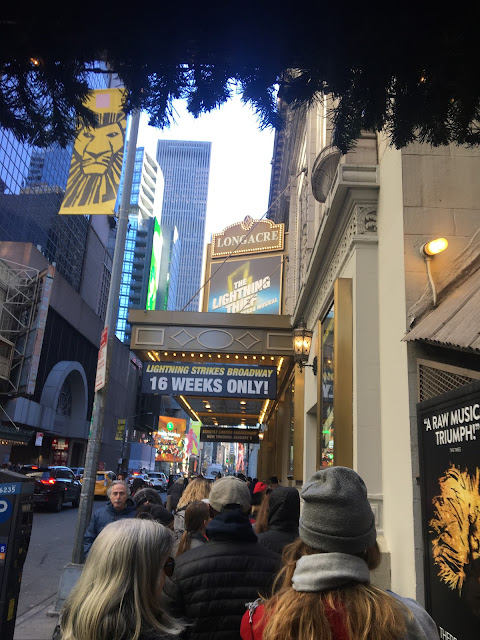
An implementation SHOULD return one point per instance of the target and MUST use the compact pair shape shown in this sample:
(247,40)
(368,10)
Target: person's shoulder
(265,551)
(420,615)
(130,510)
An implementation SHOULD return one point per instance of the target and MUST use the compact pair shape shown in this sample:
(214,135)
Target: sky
(240,163)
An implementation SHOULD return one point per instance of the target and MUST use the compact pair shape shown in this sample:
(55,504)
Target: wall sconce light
(302,341)
(428,250)
(434,246)
(260,436)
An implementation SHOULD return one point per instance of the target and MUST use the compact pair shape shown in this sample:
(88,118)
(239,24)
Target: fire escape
(20,288)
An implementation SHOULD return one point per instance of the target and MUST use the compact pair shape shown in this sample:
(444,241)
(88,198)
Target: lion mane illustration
(456,526)
(96,162)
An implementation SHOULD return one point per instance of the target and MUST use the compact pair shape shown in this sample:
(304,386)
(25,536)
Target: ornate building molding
(350,217)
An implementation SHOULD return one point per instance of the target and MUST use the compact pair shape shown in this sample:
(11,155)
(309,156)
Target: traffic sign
(102,361)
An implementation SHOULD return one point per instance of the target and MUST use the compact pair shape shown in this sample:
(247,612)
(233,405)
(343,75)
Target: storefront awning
(456,321)
(15,435)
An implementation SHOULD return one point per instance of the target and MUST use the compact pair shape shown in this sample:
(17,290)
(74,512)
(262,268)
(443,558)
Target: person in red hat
(257,499)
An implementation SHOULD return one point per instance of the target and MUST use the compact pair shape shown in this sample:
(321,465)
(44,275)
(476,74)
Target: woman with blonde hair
(323,591)
(117,596)
(198,489)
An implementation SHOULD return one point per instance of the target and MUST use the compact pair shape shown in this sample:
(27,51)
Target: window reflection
(327,376)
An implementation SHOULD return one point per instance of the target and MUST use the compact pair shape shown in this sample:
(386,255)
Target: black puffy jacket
(212,583)
(283,515)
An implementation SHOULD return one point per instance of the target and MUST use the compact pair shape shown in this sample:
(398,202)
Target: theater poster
(449,440)
(97,158)
(246,286)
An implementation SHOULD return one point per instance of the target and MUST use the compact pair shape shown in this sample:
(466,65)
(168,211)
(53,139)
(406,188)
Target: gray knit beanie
(336,513)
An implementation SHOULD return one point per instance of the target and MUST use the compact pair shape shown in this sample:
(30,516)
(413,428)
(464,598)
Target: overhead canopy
(456,321)
(171,341)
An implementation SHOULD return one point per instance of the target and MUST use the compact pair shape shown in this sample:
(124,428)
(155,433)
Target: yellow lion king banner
(97,158)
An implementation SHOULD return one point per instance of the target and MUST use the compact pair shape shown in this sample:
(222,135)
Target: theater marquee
(248,236)
(192,379)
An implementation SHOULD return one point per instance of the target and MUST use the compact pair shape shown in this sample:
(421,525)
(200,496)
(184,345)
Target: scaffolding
(20,289)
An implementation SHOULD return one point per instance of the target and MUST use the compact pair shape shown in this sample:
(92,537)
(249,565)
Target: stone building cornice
(350,216)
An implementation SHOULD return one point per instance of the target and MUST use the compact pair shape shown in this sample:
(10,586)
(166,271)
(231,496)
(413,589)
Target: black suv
(54,486)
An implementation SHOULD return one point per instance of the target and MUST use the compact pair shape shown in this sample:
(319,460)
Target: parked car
(54,486)
(103,480)
(78,472)
(158,480)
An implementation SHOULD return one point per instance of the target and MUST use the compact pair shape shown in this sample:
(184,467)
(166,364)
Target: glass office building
(32,184)
(186,166)
(32,187)
(145,206)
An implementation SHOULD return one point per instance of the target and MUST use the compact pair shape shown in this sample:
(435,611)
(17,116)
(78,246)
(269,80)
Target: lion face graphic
(97,163)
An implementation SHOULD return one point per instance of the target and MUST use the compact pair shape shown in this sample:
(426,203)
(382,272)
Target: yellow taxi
(103,480)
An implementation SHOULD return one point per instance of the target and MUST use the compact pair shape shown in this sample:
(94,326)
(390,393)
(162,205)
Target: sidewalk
(37,624)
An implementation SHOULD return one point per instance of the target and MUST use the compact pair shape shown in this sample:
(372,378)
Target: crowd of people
(238,558)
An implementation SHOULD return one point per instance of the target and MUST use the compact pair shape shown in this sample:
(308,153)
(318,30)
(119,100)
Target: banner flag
(97,158)
(194,437)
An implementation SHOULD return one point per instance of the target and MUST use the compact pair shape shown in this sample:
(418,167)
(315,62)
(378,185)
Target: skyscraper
(143,229)
(185,166)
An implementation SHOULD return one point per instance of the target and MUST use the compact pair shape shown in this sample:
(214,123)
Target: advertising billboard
(246,286)
(170,439)
(97,158)
(449,440)
(194,437)
(220,380)
(154,274)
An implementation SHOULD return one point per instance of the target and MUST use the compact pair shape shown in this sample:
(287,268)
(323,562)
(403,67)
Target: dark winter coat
(212,583)
(283,515)
(175,493)
(101,518)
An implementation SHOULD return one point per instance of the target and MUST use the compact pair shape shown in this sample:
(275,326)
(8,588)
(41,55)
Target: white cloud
(240,163)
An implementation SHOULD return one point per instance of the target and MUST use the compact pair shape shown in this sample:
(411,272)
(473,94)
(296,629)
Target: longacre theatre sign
(249,236)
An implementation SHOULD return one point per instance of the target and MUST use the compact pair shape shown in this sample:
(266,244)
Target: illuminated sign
(249,236)
(250,286)
(191,379)
(60,444)
(170,439)
(154,267)
(225,434)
